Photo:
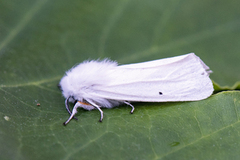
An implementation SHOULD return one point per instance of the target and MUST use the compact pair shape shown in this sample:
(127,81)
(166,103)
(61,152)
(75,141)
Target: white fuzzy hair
(79,80)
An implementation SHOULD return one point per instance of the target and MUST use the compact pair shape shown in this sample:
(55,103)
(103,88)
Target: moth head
(68,88)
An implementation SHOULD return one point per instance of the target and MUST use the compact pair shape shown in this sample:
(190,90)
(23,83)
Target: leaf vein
(173,151)
(25,20)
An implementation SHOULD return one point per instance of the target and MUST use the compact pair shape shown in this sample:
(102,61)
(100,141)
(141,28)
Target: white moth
(96,84)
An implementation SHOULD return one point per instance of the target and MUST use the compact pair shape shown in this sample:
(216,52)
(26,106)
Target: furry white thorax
(80,79)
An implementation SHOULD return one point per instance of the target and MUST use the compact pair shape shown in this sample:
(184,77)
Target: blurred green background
(41,39)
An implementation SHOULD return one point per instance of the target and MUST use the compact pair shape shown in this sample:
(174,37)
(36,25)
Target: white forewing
(182,78)
(157,63)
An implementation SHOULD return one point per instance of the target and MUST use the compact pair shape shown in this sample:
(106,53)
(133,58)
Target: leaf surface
(42,39)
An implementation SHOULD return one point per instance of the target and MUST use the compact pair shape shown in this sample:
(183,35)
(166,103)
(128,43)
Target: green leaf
(218,88)
(40,40)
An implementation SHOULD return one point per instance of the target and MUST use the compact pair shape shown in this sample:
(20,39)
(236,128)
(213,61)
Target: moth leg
(67,107)
(130,106)
(98,107)
(74,111)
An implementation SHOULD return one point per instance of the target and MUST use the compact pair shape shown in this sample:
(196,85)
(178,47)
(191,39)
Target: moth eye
(59,87)
(160,93)
(75,102)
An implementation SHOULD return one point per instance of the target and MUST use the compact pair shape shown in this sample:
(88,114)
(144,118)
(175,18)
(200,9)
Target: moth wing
(165,61)
(182,78)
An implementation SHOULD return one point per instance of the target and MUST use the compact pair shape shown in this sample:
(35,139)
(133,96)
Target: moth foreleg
(67,107)
(74,111)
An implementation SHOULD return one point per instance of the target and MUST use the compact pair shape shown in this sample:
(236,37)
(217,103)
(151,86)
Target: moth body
(96,84)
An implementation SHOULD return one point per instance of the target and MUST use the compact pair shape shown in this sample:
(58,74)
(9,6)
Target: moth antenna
(127,103)
(74,111)
(67,106)
(96,106)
